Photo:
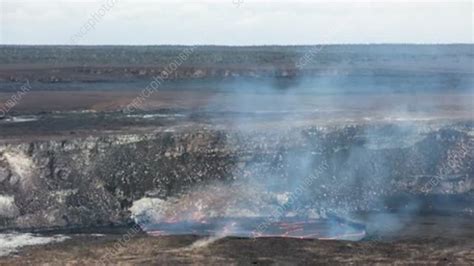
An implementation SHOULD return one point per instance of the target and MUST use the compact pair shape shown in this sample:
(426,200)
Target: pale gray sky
(234,22)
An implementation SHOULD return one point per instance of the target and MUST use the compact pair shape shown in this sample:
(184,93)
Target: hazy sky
(234,22)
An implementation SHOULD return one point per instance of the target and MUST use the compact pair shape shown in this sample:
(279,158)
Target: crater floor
(427,239)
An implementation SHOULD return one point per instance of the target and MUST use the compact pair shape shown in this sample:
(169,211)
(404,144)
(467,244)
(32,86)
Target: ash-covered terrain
(378,135)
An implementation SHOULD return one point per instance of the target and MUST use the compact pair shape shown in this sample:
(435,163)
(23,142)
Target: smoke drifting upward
(332,148)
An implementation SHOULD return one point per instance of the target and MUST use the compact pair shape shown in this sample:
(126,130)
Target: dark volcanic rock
(94,181)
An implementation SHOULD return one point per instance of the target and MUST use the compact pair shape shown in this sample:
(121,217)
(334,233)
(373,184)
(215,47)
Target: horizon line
(244,45)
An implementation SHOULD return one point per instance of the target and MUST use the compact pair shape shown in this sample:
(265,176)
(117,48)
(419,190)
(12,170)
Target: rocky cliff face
(94,181)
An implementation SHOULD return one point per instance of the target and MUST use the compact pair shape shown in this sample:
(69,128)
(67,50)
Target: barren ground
(423,240)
